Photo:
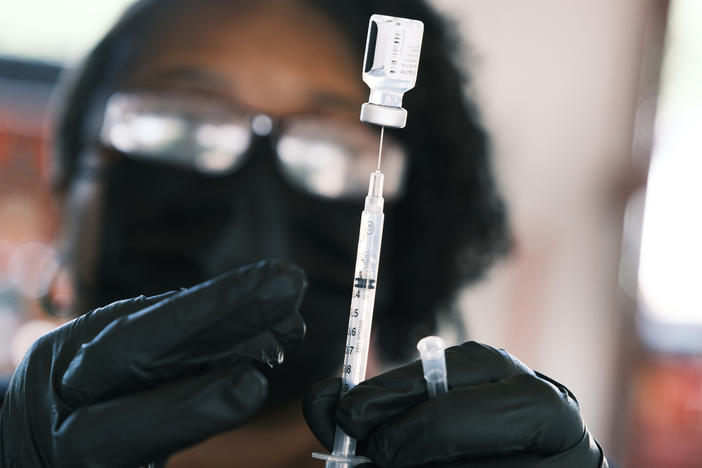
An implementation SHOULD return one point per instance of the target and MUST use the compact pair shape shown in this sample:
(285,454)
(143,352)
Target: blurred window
(54,31)
(670,291)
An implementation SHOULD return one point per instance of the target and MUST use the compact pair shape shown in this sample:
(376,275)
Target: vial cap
(385,116)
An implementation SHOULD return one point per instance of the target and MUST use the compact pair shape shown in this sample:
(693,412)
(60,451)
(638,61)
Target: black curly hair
(451,194)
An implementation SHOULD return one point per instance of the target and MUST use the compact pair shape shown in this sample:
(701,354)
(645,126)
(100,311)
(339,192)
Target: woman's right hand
(141,378)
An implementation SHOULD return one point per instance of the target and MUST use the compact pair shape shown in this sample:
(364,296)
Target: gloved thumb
(319,406)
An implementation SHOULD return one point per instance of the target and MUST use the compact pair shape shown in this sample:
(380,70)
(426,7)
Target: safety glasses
(324,156)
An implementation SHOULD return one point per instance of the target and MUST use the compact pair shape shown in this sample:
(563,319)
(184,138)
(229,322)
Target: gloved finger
(381,398)
(96,320)
(153,424)
(251,312)
(522,413)
(319,406)
(585,454)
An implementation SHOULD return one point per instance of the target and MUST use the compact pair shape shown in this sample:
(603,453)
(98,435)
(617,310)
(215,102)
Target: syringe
(389,69)
(361,314)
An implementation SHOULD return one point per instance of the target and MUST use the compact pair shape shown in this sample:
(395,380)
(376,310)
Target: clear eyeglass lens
(221,146)
(334,159)
(176,130)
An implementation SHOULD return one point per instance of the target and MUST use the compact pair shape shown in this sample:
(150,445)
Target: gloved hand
(498,413)
(142,378)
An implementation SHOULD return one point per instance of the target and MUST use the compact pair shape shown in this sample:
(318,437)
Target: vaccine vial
(390,68)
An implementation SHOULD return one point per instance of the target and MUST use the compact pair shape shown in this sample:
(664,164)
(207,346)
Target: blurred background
(595,112)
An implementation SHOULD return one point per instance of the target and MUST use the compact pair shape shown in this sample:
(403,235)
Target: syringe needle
(380,148)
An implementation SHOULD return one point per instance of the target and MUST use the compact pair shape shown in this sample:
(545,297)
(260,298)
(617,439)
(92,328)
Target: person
(197,140)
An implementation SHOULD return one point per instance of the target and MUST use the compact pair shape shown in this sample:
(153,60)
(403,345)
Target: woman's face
(158,227)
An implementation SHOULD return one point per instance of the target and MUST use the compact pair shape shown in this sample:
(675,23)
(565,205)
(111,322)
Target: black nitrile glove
(142,378)
(497,414)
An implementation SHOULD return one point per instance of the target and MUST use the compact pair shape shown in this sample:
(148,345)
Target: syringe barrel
(365,282)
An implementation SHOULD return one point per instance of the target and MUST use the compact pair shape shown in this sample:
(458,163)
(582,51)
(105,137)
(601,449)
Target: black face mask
(165,228)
